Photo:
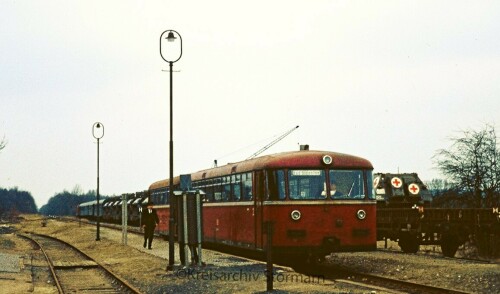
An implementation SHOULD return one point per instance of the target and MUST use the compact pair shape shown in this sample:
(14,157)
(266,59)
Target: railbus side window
(209,190)
(226,189)
(276,184)
(236,187)
(218,189)
(159,196)
(247,186)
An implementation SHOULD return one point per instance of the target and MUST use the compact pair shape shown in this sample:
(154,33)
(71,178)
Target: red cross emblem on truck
(414,189)
(396,182)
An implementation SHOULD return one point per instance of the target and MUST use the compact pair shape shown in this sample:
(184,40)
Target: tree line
(13,201)
(66,203)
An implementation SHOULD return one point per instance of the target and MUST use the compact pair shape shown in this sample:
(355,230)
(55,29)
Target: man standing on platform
(149,222)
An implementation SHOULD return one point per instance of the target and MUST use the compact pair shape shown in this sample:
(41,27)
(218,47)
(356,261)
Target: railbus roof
(291,159)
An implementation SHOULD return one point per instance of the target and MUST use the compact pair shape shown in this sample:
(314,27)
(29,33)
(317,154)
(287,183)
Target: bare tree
(438,186)
(77,190)
(472,163)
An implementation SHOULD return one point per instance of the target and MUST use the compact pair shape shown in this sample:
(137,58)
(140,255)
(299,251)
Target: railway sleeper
(79,264)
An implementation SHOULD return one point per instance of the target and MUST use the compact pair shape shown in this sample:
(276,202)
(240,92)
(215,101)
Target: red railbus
(294,191)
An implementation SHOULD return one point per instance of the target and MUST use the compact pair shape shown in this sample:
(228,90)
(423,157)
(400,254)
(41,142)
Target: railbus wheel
(307,263)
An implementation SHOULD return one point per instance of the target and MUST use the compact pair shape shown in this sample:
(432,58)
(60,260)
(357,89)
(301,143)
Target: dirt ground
(425,268)
(146,269)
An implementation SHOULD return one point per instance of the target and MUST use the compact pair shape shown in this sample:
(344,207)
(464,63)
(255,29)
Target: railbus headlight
(295,215)
(361,214)
(327,159)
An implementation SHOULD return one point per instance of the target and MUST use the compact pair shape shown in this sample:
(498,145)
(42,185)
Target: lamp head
(171,37)
(98,130)
(170,47)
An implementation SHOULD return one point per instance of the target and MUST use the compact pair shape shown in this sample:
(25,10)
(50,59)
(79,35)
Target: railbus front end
(319,209)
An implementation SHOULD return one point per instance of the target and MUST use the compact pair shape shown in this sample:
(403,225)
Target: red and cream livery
(318,202)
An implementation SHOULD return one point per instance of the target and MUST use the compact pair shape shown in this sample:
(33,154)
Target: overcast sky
(389,81)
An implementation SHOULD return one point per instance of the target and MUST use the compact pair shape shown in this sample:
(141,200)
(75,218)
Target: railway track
(349,276)
(375,282)
(74,272)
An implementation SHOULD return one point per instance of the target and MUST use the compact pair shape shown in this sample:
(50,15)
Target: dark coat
(149,219)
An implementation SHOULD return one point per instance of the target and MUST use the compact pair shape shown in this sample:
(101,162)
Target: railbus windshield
(307,184)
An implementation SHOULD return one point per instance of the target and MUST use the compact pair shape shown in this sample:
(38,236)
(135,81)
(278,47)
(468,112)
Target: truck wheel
(449,245)
(409,244)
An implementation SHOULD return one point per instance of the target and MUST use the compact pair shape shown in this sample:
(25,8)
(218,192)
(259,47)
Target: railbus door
(259,193)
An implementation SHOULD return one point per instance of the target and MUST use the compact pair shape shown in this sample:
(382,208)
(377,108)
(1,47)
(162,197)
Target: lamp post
(98,133)
(171,57)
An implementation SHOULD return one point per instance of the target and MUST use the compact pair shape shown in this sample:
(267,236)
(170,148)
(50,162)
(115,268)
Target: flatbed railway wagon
(405,215)
(111,208)
(294,192)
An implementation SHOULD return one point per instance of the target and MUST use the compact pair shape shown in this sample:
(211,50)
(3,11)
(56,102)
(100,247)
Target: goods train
(405,214)
(319,202)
